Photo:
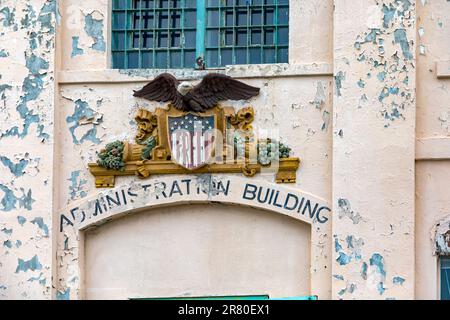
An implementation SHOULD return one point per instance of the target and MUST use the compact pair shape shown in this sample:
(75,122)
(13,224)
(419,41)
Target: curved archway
(198,250)
(158,193)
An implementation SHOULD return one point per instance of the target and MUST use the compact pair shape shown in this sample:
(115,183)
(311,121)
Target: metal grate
(172,33)
(153,34)
(445,278)
(247,32)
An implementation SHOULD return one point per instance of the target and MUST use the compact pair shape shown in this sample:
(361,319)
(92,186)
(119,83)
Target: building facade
(359,90)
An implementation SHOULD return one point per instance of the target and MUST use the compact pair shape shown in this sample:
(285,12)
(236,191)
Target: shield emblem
(192,139)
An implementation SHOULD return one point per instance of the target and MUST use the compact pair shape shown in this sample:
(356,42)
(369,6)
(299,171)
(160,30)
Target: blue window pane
(175,59)
(269,56)
(213,3)
(256,17)
(257,2)
(283,15)
(175,39)
(135,20)
(136,40)
(213,18)
(189,59)
(268,16)
(118,60)
(256,36)
(120,4)
(147,20)
(189,39)
(147,59)
(191,3)
(269,37)
(119,40)
(147,40)
(229,18)
(119,20)
(241,56)
(161,59)
(255,55)
(227,57)
(162,40)
(212,38)
(283,55)
(241,37)
(175,4)
(283,36)
(190,19)
(163,4)
(229,3)
(146,4)
(241,18)
(163,20)
(283,1)
(270,1)
(212,58)
(229,36)
(243,2)
(133,60)
(175,19)
(445,278)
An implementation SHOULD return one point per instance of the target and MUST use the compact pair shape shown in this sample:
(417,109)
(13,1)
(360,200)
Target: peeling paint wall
(359,73)
(27,88)
(373,149)
(433,133)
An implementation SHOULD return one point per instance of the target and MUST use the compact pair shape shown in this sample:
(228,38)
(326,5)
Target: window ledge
(237,71)
(443,69)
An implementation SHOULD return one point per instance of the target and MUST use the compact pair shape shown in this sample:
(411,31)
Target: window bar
(140,35)
(169,36)
(201,29)
(128,22)
(233,53)
(155,34)
(219,31)
(275,36)
(247,50)
(182,33)
(261,37)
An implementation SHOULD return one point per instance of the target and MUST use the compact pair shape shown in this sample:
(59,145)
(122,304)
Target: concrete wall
(363,102)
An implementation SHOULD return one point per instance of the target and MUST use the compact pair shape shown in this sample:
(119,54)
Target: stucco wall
(27,90)
(365,95)
(433,145)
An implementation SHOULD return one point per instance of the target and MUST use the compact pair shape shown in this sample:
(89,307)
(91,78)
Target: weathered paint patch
(76,51)
(345,210)
(9,200)
(33,264)
(94,29)
(82,112)
(76,185)
(400,38)
(21,220)
(39,221)
(63,295)
(398,280)
(338,79)
(17,169)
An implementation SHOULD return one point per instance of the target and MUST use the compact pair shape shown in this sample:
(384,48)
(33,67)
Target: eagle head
(184,87)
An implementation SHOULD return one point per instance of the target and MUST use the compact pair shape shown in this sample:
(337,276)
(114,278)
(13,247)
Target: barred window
(445,278)
(174,33)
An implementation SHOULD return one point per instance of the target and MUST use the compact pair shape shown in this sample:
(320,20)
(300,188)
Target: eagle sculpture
(184,96)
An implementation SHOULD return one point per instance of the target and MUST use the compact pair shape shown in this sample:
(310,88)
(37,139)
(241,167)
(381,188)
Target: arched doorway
(198,250)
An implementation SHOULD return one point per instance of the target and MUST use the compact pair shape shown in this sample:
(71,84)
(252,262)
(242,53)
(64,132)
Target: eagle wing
(162,89)
(216,87)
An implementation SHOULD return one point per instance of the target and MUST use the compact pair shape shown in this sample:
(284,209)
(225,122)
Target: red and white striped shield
(191,139)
